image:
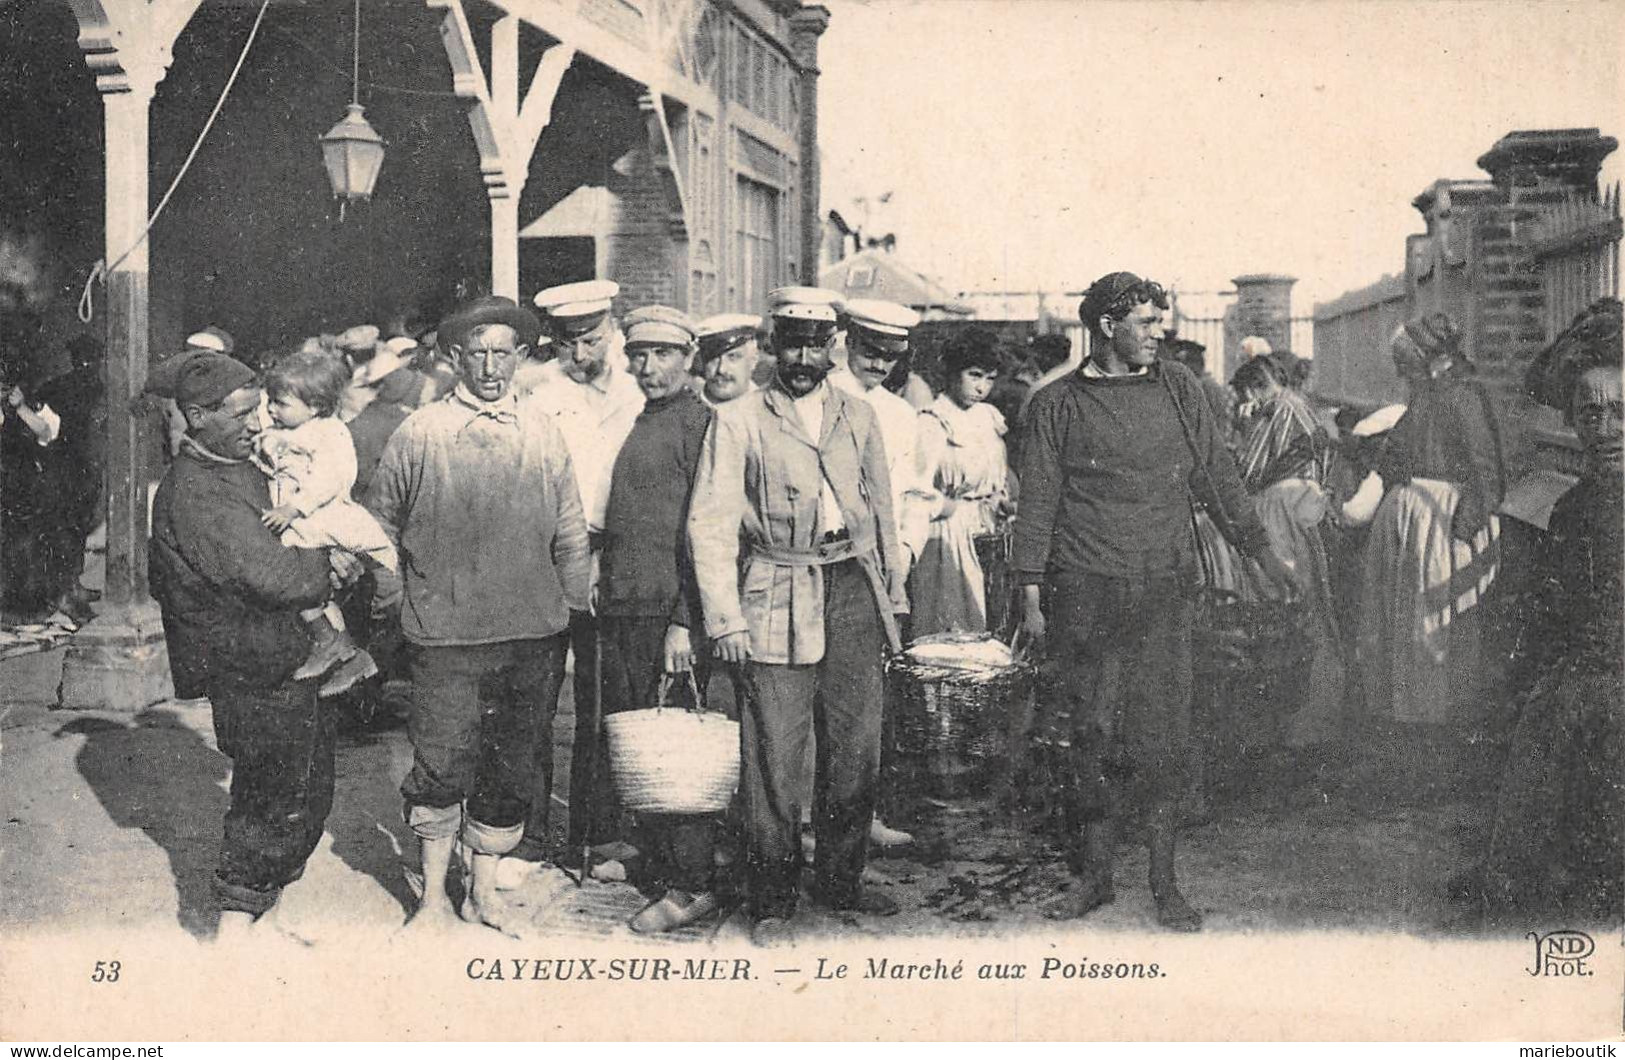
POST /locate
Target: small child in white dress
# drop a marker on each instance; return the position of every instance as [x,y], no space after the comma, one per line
[310,458]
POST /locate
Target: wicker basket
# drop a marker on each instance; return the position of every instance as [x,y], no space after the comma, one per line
[1236,638]
[941,708]
[673,759]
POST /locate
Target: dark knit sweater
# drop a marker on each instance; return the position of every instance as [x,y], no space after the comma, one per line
[229,592]
[1106,477]
[645,569]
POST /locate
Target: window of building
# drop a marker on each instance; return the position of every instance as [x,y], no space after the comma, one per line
[761,78]
[759,267]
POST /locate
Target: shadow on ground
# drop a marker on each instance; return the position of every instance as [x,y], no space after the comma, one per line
[161,777]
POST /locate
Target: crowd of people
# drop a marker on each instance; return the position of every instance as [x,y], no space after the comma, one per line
[51,439]
[755,512]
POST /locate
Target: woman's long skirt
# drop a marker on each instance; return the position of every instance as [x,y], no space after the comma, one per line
[1419,645]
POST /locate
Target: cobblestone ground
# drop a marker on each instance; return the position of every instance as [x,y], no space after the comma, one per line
[114,819]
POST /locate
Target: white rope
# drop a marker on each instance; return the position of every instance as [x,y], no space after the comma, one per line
[100,270]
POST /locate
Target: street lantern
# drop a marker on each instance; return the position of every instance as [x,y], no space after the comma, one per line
[353,153]
[352,150]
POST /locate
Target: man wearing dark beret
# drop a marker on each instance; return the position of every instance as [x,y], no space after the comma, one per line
[230,594]
[482,502]
[1107,560]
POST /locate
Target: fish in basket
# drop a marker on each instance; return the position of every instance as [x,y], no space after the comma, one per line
[954,691]
[673,759]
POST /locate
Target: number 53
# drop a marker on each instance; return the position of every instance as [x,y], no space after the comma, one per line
[106,972]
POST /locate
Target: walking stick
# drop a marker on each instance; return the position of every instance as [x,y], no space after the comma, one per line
[590,781]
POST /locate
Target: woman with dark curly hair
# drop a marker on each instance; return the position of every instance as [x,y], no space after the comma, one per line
[963,460]
[1434,541]
[1555,846]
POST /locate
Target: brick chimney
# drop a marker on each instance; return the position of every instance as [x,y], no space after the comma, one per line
[807,24]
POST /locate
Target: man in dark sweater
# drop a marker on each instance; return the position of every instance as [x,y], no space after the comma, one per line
[230,595]
[1106,555]
[647,598]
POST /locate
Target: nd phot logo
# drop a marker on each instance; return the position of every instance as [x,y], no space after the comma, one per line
[1562,953]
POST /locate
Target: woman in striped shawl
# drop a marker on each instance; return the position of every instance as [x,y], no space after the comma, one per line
[1284,459]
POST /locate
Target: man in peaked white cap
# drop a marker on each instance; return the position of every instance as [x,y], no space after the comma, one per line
[792,480]
[594,402]
[727,356]
[877,337]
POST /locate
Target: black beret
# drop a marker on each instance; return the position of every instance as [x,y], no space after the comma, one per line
[199,377]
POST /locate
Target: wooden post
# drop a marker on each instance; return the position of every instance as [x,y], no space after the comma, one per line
[125,366]
[506,126]
[504,195]
[504,241]
[119,661]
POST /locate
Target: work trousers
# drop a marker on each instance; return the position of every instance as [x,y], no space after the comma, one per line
[280,742]
[841,695]
[476,713]
[680,848]
[1115,698]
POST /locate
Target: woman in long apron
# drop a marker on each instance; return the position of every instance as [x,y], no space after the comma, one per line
[1433,548]
[962,442]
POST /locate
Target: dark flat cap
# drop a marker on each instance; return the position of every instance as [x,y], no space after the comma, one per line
[488,309]
[1106,295]
[199,377]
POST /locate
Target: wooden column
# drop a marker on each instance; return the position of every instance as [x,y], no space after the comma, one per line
[504,194]
[118,661]
[125,367]
[506,125]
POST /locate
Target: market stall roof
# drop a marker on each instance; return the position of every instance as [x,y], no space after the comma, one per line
[876,274]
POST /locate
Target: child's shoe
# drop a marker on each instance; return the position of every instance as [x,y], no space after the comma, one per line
[351,672]
[331,647]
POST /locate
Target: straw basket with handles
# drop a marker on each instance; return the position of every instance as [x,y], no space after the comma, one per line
[678,760]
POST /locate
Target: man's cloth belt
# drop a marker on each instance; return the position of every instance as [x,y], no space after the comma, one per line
[838,548]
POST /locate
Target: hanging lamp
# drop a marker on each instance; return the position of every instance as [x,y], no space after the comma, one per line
[352,150]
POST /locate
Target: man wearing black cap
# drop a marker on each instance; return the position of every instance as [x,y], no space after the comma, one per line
[230,595]
[1106,557]
[794,476]
[482,503]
